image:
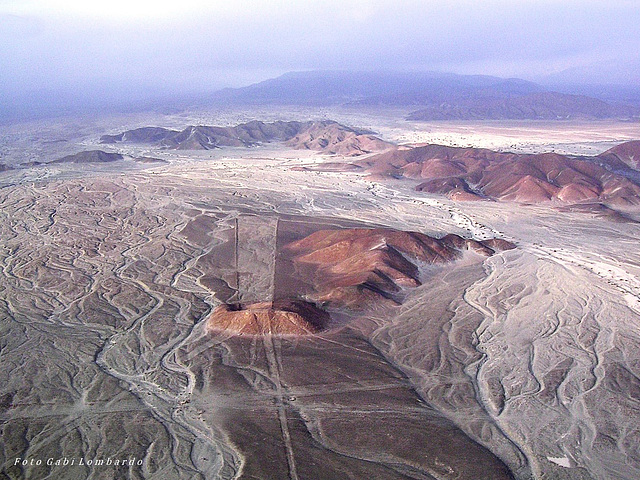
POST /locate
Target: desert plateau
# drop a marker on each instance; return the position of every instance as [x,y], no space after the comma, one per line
[291,309]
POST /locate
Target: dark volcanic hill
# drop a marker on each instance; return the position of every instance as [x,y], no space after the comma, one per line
[433,95]
[325,136]
[90,156]
[360,268]
[477,173]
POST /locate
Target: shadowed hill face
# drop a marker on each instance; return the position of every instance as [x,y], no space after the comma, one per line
[361,268]
[474,173]
[324,136]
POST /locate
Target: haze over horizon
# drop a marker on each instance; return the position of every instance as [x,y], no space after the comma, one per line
[117,52]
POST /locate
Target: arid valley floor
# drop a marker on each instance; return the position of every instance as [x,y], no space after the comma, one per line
[523,363]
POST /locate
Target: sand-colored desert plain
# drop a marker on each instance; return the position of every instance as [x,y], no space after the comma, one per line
[490,364]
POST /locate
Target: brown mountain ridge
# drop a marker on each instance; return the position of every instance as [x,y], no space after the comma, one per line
[476,173]
[361,268]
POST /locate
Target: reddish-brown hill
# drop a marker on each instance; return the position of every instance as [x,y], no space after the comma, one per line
[360,267]
[268,318]
[333,138]
[473,173]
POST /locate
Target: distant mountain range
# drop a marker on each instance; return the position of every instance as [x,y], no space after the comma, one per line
[435,96]
[533,106]
[324,136]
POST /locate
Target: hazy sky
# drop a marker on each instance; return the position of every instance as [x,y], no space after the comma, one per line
[128,46]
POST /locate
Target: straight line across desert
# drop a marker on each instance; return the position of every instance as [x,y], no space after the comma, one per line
[241,242]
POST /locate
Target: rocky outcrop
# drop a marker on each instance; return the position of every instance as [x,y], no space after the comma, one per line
[268,318]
